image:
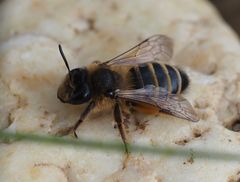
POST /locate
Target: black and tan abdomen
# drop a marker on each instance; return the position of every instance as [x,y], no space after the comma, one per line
[161,75]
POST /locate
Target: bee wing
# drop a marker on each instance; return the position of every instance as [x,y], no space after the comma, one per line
[173,104]
[154,49]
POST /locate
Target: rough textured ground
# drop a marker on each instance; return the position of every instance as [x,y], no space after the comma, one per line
[32,69]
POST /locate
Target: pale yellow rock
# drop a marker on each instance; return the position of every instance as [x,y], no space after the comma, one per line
[32,69]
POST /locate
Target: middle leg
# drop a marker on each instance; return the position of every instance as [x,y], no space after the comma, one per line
[120,124]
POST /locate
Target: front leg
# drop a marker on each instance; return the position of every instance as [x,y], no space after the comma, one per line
[84,114]
[119,121]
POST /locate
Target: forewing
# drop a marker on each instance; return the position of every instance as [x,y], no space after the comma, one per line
[173,104]
[157,48]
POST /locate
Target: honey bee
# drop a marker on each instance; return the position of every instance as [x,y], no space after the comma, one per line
[138,78]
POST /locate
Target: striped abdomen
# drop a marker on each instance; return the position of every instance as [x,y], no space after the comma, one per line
[161,75]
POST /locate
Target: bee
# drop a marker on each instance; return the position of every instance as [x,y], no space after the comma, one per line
[138,78]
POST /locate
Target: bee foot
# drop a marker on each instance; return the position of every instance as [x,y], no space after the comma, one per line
[75,134]
[126,159]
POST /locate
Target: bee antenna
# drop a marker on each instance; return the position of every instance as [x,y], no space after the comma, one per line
[64,59]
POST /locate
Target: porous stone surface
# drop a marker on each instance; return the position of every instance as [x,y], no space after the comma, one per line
[32,69]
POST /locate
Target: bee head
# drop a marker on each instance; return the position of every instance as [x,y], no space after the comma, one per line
[75,88]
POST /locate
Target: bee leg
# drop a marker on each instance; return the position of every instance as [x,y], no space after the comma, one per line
[125,119]
[119,121]
[84,114]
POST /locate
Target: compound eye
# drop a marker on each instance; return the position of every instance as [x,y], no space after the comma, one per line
[81,95]
[78,75]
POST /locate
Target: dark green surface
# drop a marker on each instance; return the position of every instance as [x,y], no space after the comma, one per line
[230,10]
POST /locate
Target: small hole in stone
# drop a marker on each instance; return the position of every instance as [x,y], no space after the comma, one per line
[182,142]
[197,135]
[235,126]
